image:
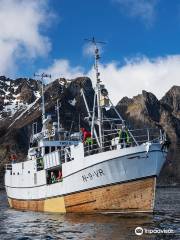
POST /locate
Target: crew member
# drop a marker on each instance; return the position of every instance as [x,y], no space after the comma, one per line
[124,137]
[53,177]
[59,175]
[13,158]
[86,136]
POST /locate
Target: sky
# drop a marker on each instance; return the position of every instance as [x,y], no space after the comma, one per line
[142,50]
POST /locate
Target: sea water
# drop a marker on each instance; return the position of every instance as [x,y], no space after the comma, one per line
[163,224]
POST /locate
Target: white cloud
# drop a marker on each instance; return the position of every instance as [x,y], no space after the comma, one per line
[156,76]
[20,33]
[62,68]
[137,74]
[143,9]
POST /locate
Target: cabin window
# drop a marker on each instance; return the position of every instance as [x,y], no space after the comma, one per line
[9,167]
[46,150]
[28,171]
[13,173]
[54,175]
[18,173]
[52,149]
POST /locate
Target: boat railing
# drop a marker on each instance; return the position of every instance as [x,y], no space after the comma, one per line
[111,140]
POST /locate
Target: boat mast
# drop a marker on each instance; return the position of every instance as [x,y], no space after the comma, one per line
[97,91]
[58,115]
[99,119]
[43,75]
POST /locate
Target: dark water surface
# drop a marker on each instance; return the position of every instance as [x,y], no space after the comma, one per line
[29,225]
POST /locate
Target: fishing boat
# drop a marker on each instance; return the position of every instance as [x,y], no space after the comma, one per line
[106,168]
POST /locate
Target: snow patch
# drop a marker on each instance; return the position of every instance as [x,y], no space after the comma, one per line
[27,109]
[72,102]
[37,94]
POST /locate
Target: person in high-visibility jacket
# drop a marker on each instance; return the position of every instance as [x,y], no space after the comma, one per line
[53,177]
[86,136]
[124,137]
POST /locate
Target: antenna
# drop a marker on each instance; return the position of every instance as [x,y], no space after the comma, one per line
[96,55]
[42,76]
[93,40]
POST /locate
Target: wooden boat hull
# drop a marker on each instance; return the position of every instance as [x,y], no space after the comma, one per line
[133,196]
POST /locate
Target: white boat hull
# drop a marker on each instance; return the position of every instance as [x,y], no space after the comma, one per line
[127,175]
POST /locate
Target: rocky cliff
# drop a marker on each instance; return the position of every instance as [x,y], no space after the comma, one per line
[146,110]
[20,106]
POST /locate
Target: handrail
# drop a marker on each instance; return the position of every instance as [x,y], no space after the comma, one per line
[116,133]
[148,136]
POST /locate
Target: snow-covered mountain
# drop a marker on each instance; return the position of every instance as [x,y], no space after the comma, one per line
[20,106]
[16,96]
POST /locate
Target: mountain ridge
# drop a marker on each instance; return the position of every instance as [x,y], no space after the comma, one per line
[20,106]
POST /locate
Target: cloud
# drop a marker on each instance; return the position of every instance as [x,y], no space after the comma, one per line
[20,32]
[154,75]
[143,9]
[62,68]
